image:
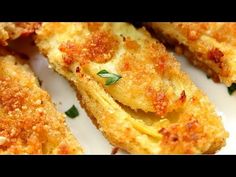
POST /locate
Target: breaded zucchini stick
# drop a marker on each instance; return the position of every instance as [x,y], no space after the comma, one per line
[132,88]
[210,46]
[13,30]
[29,122]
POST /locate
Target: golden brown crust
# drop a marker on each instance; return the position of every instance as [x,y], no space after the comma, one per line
[29,122]
[100,47]
[180,49]
[153,109]
[212,44]
[11,31]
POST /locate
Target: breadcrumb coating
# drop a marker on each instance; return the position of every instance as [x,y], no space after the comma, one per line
[153,109]
[210,46]
[13,30]
[29,121]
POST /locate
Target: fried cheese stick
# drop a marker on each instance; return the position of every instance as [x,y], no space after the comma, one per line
[132,88]
[210,46]
[29,121]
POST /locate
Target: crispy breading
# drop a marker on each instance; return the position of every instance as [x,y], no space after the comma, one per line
[13,30]
[210,46]
[153,109]
[29,121]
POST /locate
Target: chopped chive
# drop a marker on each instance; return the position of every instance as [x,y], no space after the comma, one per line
[72,112]
[111,77]
[232,88]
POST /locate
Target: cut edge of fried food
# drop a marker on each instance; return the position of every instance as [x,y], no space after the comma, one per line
[124,127]
[29,121]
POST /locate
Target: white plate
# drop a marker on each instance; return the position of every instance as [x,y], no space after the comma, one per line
[89,137]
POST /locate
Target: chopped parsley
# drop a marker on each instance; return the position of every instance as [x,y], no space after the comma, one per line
[111,77]
[72,112]
[232,88]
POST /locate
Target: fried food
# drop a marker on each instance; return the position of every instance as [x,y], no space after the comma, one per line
[29,121]
[13,30]
[209,46]
[132,88]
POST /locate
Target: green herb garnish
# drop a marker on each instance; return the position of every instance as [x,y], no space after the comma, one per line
[72,112]
[232,88]
[111,78]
